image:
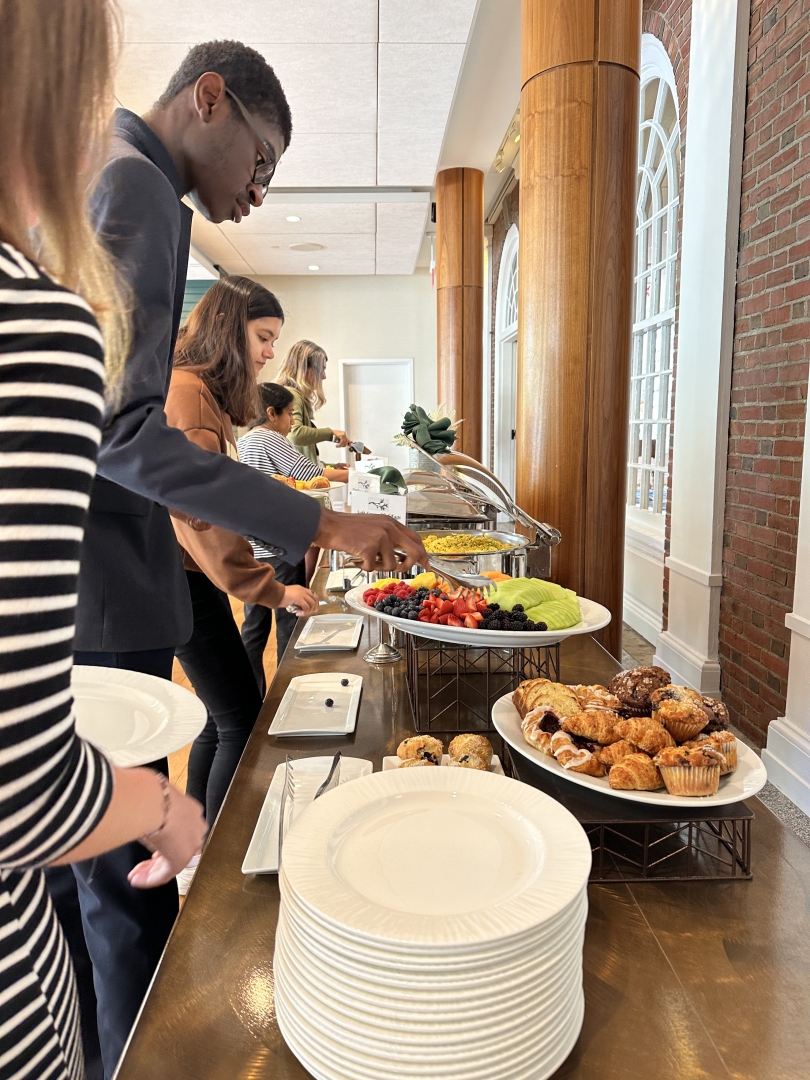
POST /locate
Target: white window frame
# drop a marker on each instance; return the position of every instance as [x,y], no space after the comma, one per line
[506,332]
[654,328]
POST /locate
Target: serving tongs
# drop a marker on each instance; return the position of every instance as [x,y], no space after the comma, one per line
[467,582]
[287,803]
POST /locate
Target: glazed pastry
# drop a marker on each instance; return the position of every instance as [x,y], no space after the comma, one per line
[536,692]
[411,763]
[693,771]
[469,761]
[470,744]
[573,757]
[536,728]
[546,717]
[596,697]
[635,772]
[610,755]
[633,687]
[718,718]
[645,733]
[421,746]
[594,724]
[680,710]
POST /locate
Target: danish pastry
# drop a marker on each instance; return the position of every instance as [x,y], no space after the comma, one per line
[573,757]
[535,729]
[645,733]
[635,772]
[596,697]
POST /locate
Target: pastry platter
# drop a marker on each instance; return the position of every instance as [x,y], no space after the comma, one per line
[594,617]
[747,779]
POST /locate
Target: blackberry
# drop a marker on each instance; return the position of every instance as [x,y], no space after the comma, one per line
[494,607]
[519,616]
[518,607]
[541,626]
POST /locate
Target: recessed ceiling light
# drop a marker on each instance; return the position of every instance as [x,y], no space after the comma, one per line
[293,217]
[313,267]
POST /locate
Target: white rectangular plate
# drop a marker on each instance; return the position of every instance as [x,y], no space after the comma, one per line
[494,766]
[330,633]
[303,709]
[261,856]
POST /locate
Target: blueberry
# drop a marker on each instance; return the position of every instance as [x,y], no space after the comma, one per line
[344,682]
[413,615]
[380,606]
[329,703]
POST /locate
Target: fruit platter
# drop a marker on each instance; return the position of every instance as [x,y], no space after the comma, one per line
[516,613]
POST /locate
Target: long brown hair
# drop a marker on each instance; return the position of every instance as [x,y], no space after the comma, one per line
[56,61]
[213,342]
[304,370]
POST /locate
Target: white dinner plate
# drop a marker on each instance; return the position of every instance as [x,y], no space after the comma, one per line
[393,762]
[261,856]
[133,718]
[747,779]
[436,857]
[594,617]
[303,709]
[330,633]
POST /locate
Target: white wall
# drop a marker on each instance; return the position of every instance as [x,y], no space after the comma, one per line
[360,318]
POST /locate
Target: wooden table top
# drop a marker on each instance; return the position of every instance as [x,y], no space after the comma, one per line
[682,981]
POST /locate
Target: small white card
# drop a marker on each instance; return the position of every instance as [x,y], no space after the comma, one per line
[361,481]
[395,506]
[365,464]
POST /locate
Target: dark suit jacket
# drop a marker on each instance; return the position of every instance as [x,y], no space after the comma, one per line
[133,593]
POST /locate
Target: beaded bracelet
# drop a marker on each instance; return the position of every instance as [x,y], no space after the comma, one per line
[167,802]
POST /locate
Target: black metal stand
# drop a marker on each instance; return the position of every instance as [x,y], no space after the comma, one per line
[640,842]
[453,687]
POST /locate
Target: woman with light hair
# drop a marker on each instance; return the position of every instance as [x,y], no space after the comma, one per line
[62,330]
[303,373]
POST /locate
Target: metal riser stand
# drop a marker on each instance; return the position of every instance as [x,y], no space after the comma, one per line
[453,687]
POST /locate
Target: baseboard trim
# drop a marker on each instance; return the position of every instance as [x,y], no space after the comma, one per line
[643,619]
[787,759]
[687,667]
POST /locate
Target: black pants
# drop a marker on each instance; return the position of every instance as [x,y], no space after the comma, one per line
[219,670]
[123,930]
[259,620]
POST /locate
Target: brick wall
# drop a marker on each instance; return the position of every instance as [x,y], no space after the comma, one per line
[769,380]
[671,22]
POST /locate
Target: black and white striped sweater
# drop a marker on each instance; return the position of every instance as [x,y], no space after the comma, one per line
[54,787]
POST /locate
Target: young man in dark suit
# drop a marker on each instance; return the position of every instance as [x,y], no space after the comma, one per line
[216,135]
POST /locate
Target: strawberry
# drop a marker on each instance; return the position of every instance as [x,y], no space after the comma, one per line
[470,622]
[444,619]
[453,620]
[445,607]
[460,608]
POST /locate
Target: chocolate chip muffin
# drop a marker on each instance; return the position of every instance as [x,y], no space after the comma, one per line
[719,720]
[634,687]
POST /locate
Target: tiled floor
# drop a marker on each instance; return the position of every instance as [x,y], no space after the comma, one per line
[636,650]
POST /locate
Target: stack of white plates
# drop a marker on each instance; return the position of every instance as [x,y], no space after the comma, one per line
[431,925]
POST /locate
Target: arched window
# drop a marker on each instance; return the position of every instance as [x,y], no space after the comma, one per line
[654,298]
[505,397]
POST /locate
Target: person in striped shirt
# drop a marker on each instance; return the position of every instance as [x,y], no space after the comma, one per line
[60,799]
[266,448]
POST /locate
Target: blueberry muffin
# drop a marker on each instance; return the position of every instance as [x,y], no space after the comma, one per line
[421,746]
[680,710]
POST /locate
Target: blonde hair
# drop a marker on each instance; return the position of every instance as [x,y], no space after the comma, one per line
[57,98]
[303,370]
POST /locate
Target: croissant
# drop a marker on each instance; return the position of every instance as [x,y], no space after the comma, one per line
[610,755]
[645,733]
[536,692]
[594,724]
[572,757]
[635,772]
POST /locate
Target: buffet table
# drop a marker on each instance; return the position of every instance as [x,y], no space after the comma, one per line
[682,980]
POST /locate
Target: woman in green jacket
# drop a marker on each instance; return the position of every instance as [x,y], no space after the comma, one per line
[303,373]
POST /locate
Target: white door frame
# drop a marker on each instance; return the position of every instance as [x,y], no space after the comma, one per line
[343,364]
[504,335]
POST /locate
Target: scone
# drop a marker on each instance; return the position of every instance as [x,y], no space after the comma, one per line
[634,687]
[469,761]
[411,763]
[470,744]
[421,746]
[694,771]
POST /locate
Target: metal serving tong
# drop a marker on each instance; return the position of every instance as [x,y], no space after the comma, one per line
[285,809]
[468,582]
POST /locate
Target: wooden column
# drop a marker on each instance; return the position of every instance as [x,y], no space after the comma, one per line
[579,130]
[460,299]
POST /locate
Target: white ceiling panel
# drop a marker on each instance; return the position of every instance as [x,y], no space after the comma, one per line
[426,20]
[329,161]
[216,247]
[416,86]
[330,88]
[405,158]
[144,72]
[321,218]
[346,254]
[250,20]
[400,229]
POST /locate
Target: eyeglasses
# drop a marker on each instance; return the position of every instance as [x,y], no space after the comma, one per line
[263,172]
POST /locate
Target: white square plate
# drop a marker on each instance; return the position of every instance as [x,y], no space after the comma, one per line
[330,633]
[494,766]
[303,709]
[261,856]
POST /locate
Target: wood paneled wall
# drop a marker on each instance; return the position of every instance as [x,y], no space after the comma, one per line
[579,123]
[460,299]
